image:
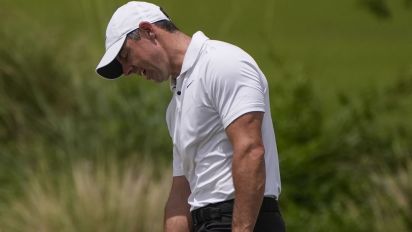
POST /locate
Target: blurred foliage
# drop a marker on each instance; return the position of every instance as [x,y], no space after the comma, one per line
[327,162]
[343,170]
[51,113]
[381,8]
[378,7]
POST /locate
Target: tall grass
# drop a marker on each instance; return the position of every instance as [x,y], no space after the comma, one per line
[91,197]
[392,202]
[55,110]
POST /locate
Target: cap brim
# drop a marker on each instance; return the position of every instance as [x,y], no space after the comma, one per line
[109,67]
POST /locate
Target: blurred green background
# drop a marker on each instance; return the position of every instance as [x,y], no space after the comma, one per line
[79,153]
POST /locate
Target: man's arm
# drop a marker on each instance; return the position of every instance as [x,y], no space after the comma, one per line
[248,169]
[177,211]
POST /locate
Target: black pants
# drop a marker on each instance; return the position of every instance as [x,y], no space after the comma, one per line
[218,217]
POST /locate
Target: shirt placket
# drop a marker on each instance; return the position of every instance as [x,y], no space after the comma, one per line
[178,112]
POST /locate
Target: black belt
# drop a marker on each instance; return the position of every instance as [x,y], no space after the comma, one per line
[217,210]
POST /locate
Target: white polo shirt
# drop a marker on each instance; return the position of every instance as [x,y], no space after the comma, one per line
[218,83]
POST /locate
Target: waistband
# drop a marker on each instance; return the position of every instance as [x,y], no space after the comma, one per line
[216,210]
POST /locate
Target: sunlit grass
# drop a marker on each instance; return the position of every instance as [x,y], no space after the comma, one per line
[91,197]
[392,201]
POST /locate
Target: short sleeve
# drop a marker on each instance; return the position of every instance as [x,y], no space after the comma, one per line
[237,88]
[177,164]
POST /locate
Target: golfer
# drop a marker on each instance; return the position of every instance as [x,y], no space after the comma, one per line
[225,162]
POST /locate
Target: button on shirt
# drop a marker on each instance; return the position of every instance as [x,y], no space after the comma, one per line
[218,83]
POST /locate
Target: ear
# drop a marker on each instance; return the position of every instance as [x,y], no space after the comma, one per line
[147,28]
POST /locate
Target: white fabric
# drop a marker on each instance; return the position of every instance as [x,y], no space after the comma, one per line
[124,20]
[218,83]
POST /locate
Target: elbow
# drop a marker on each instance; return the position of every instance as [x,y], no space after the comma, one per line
[256,152]
[250,153]
[259,152]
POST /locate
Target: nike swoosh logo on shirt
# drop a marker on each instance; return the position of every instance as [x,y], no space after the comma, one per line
[187,86]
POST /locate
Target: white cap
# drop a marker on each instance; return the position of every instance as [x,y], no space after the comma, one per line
[126,19]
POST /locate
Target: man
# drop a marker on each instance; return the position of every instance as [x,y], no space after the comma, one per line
[225,163]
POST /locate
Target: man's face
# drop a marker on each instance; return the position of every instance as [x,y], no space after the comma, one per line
[145,57]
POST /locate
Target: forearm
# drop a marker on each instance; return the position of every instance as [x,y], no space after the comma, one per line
[177,210]
[249,181]
[177,218]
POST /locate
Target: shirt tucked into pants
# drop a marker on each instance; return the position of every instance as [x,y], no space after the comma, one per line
[218,217]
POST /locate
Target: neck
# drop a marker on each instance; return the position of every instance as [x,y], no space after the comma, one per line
[175,45]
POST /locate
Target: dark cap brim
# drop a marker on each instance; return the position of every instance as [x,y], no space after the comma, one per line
[111,71]
[109,67]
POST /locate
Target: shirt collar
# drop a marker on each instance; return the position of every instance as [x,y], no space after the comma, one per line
[191,55]
[193,51]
